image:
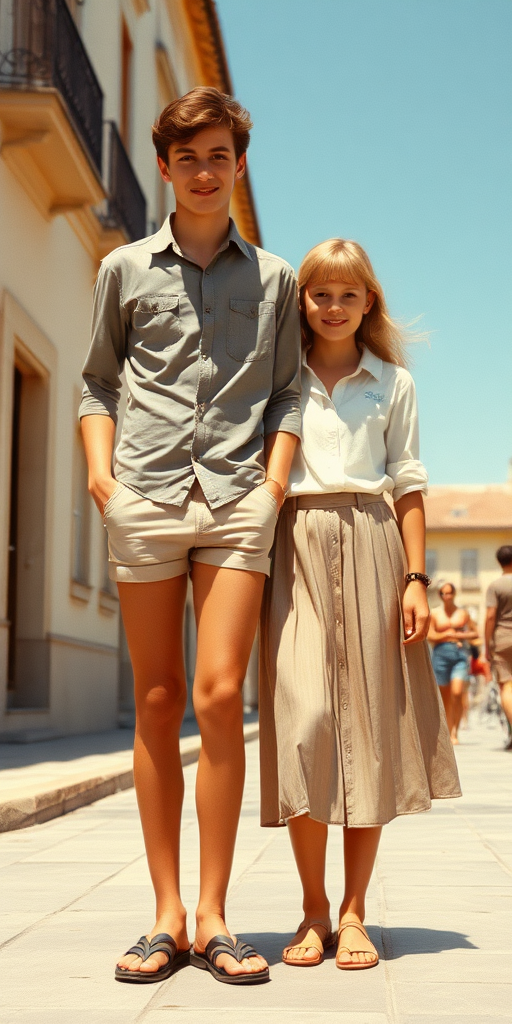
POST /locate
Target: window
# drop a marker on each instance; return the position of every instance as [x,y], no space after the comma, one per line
[81,516]
[469,568]
[431,562]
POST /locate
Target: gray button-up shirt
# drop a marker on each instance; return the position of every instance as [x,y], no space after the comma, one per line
[212,363]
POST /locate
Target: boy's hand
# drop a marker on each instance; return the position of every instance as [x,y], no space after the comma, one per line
[276,491]
[416,612]
[101,491]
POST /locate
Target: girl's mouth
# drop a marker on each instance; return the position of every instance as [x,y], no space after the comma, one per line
[334,323]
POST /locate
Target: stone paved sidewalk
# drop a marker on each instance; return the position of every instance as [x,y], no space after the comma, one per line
[76,892]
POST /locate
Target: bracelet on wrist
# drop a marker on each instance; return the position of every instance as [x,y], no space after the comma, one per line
[279,484]
[421,576]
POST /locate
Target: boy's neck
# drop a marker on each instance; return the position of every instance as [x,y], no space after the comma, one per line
[507,570]
[199,238]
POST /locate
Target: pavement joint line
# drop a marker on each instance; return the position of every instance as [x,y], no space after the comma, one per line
[503,864]
[387,945]
[59,910]
[237,881]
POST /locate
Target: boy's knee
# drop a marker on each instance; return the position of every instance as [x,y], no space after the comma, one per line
[218,699]
[163,702]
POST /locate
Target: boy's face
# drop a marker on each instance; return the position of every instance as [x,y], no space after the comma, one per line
[203,171]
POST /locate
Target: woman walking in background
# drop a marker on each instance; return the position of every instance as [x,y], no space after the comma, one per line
[352,727]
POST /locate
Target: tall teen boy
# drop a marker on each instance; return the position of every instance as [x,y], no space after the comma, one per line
[206,328]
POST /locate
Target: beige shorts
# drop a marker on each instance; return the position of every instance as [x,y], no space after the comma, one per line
[149,541]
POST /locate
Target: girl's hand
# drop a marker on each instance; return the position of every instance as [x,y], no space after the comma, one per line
[416,612]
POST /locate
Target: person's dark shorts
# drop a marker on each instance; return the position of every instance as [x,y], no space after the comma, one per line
[449,662]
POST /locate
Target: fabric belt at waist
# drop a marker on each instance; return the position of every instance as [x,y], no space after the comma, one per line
[334,500]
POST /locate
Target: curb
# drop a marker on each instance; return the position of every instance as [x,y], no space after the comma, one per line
[29,806]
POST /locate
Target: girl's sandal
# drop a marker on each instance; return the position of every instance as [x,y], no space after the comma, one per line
[354,966]
[309,940]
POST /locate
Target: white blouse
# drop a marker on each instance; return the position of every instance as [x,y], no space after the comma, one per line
[364,438]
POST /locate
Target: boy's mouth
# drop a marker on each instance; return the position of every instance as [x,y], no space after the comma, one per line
[204,191]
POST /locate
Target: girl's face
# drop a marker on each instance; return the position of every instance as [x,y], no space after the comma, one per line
[334,309]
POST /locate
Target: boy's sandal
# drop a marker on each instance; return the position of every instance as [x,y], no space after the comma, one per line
[354,965]
[310,940]
[161,943]
[207,961]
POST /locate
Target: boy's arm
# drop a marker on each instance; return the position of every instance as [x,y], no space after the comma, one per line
[279,449]
[104,363]
[282,412]
[98,433]
[102,384]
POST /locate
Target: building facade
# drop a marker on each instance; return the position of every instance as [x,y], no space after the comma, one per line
[81,82]
[465,528]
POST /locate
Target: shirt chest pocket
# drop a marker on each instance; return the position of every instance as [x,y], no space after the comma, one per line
[156,319]
[251,329]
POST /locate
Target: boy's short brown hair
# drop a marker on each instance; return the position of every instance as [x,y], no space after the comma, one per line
[203,107]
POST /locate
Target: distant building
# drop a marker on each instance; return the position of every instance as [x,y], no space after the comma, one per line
[81,82]
[465,527]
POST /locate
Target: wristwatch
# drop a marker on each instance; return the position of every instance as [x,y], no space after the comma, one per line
[421,576]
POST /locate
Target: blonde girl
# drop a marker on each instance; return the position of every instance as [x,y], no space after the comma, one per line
[352,727]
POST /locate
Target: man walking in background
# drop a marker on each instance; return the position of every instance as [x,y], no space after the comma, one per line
[498,631]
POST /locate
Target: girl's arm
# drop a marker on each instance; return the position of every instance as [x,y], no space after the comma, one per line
[98,434]
[410,514]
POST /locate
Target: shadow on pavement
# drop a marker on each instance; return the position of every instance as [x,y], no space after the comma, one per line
[391,943]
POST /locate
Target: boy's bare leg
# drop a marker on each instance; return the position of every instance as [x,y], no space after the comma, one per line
[227,604]
[153,620]
[360,851]
[309,842]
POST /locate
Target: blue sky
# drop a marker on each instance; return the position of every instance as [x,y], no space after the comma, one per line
[389,121]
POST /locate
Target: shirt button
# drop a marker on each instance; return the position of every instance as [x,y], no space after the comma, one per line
[207,309]
[205,355]
[344,706]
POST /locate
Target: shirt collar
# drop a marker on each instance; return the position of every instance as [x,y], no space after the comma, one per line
[369,362]
[165,238]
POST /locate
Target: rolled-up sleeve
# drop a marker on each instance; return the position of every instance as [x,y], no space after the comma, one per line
[402,442]
[283,408]
[104,364]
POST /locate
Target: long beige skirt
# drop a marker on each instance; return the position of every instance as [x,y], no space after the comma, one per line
[352,727]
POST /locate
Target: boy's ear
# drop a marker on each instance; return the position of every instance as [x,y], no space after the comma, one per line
[163,168]
[241,166]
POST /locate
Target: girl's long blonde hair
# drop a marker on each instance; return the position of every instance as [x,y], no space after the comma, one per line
[339,259]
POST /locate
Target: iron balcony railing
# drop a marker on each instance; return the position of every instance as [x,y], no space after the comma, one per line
[126,204]
[40,47]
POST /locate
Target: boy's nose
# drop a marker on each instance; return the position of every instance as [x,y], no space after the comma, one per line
[204,175]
